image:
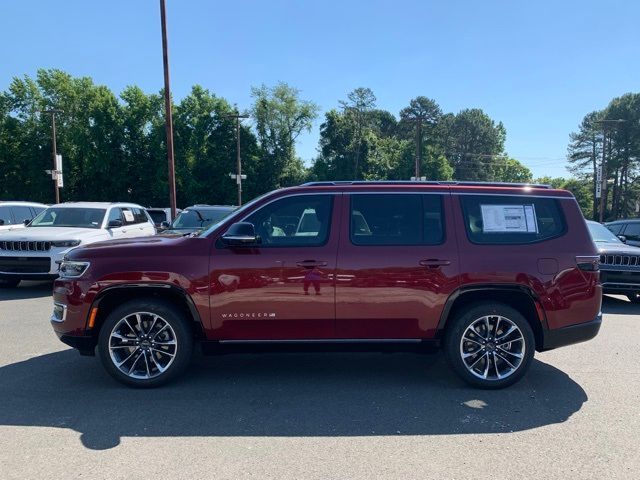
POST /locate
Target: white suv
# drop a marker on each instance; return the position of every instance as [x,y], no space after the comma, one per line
[35,251]
[16,214]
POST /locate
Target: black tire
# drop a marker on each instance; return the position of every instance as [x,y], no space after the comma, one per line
[178,330]
[501,359]
[9,282]
[634,297]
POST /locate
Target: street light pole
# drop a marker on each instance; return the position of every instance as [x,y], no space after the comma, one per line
[54,150]
[168,115]
[238,175]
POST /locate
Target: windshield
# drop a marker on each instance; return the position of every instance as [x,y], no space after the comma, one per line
[70,217]
[600,233]
[200,218]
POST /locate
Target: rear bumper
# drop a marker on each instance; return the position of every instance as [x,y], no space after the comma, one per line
[580,332]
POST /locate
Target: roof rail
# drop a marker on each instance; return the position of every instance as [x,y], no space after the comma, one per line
[426,182]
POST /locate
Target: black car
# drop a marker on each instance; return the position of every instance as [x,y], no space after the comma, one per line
[196,218]
[619,263]
[628,230]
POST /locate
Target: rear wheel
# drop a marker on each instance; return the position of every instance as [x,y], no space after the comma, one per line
[145,343]
[490,345]
[9,282]
[634,297]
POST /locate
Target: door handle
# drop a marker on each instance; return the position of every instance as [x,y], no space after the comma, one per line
[434,263]
[311,263]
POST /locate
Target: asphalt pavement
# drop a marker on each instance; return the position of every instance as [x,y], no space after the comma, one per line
[316,415]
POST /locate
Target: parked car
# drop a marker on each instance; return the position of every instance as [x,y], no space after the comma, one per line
[197,218]
[34,252]
[619,263]
[627,230]
[17,214]
[161,217]
[489,272]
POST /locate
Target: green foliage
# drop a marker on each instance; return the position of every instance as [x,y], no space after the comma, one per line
[511,170]
[614,132]
[580,188]
[280,116]
[114,147]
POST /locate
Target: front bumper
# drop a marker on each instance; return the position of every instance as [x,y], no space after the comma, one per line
[581,332]
[620,280]
[71,301]
[85,345]
[32,265]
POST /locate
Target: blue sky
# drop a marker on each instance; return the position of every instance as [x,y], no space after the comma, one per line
[539,67]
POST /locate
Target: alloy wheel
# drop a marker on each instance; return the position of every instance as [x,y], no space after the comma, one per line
[142,345]
[492,347]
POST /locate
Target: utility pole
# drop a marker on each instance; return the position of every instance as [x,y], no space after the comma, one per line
[167,108]
[238,175]
[54,150]
[603,189]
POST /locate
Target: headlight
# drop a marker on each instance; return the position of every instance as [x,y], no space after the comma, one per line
[66,243]
[69,269]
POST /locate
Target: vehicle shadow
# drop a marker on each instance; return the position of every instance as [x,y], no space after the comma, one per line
[619,306]
[27,290]
[313,394]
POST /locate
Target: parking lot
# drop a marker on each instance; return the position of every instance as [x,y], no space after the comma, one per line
[576,414]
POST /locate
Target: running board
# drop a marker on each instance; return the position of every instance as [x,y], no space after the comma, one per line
[329,345]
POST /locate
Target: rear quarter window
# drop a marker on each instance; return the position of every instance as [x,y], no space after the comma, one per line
[495,219]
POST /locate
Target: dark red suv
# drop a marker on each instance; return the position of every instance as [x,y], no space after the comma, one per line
[490,272]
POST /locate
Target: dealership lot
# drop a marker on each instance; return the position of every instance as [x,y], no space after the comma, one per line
[332,415]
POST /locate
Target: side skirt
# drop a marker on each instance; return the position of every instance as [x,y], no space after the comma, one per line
[222,347]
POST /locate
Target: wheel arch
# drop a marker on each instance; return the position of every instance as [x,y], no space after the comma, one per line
[116,295]
[519,297]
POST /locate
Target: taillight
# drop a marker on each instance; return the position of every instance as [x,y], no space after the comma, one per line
[588,263]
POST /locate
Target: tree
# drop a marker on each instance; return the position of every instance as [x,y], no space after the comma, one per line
[280,116]
[357,108]
[584,151]
[473,143]
[421,117]
[623,150]
[511,170]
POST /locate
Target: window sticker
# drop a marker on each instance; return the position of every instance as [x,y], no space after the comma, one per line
[509,219]
[128,216]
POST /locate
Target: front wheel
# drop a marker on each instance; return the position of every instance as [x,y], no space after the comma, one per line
[145,343]
[490,345]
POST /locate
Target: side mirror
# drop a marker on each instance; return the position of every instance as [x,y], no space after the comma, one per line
[622,238]
[114,224]
[241,234]
[164,225]
[27,221]
[1,222]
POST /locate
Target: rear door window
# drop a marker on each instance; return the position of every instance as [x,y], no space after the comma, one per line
[139,216]
[494,219]
[396,219]
[129,216]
